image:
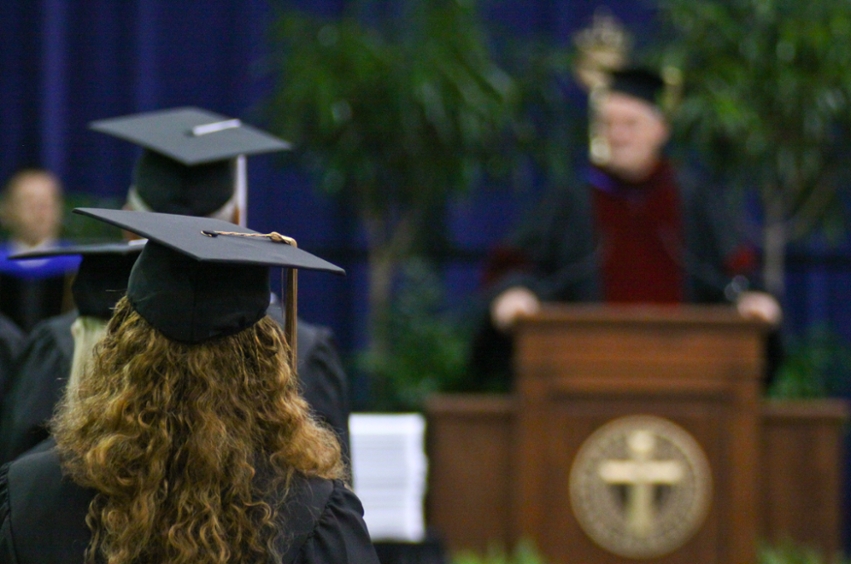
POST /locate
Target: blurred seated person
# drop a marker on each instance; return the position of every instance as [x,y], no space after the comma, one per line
[637,230]
[31,211]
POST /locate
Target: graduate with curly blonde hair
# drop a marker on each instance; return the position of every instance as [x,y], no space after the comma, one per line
[184,438]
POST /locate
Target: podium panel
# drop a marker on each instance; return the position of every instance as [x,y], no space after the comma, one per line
[597,454]
[665,400]
[471,447]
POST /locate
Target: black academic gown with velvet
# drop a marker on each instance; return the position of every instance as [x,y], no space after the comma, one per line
[558,256]
[42,518]
[45,363]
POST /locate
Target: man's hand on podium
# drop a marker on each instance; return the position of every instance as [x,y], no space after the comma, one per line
[512,304]
[517,302]
[761,306]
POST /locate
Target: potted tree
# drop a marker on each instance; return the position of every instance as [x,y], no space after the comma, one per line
[769,94]
[394,113]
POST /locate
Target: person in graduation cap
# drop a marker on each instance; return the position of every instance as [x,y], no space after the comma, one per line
[186,439]
[58,343]
[193,163]
[638,230]
[30,291]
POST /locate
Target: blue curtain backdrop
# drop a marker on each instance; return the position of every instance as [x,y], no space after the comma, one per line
[65,63]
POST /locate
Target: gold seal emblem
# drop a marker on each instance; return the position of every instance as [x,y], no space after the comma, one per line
[640,486]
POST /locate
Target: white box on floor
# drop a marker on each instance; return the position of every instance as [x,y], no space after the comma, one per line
[389,473]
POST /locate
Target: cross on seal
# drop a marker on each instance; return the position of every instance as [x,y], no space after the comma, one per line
[641,474]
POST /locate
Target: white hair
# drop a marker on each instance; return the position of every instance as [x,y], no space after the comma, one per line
[87,332]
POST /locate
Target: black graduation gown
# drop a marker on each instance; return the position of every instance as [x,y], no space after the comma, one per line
[41,372]
[42,518]
[11,344]
[45,364]
[321,376]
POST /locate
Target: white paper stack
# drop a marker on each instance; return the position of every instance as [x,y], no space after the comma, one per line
[389,472]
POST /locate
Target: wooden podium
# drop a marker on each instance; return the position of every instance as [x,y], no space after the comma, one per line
[509,467]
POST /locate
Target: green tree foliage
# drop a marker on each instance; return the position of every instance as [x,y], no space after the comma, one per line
[395,114]
[428,349]
[524,553]
[817,364]
[398,117]
[791,553]
[769,93]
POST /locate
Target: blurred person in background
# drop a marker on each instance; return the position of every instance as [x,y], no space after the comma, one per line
[31,212]
[637,230]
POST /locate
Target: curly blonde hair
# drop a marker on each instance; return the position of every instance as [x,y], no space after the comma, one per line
[172,437]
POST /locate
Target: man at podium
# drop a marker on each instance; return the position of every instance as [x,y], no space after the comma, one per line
[637,230]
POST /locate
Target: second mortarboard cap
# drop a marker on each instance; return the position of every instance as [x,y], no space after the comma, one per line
[101,279]
[640,83]
[200,278]
[186,165]
[191,136]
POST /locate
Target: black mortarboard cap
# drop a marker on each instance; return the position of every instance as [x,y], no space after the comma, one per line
[639,83]
[102,276]
[191,136]
[200,278]
[186,165]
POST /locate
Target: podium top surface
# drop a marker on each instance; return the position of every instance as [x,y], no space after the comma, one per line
[675,314]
